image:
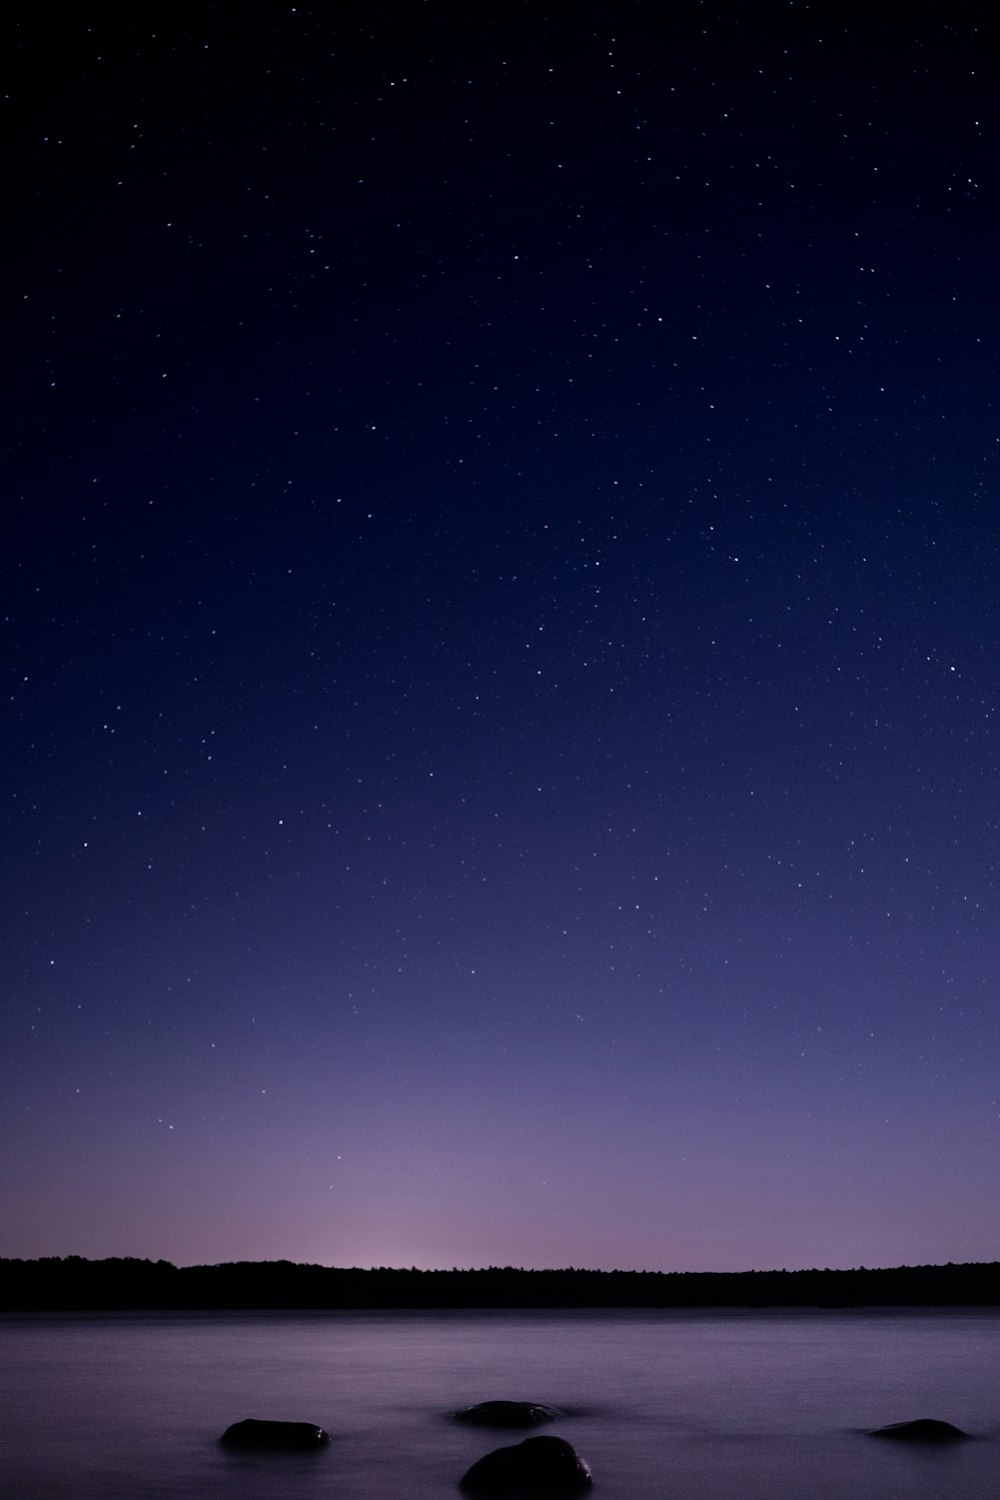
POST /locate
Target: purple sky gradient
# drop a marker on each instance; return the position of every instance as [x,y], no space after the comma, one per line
[501,622]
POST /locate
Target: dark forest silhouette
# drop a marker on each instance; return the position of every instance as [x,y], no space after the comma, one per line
[74,1284]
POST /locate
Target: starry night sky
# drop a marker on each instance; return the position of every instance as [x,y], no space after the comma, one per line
[501,613]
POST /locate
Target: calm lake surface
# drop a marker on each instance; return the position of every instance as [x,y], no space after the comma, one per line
[679,1405]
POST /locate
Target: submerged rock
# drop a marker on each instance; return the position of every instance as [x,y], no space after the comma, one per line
[281,1437]
[923,1430]
[543,1466]
[508,1414]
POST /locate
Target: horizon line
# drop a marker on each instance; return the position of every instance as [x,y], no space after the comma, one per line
[517,1270]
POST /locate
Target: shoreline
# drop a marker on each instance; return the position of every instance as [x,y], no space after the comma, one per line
[130,1285]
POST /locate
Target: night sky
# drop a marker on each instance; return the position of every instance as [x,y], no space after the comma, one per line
[501,601]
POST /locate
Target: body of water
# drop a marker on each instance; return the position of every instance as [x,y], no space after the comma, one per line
[680,1405]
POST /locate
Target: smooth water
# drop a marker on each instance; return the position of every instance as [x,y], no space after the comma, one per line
[678,1405]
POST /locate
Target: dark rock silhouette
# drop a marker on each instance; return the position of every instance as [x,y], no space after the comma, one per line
[277,1437]
[542,1466]
[923,1430]
[508,1414]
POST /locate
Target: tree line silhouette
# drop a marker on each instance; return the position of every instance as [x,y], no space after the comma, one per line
[72,1283]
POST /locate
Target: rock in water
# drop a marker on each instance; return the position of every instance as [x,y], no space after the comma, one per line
[508,1414]
[542,1466]
[278,1437]
[923,1430]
